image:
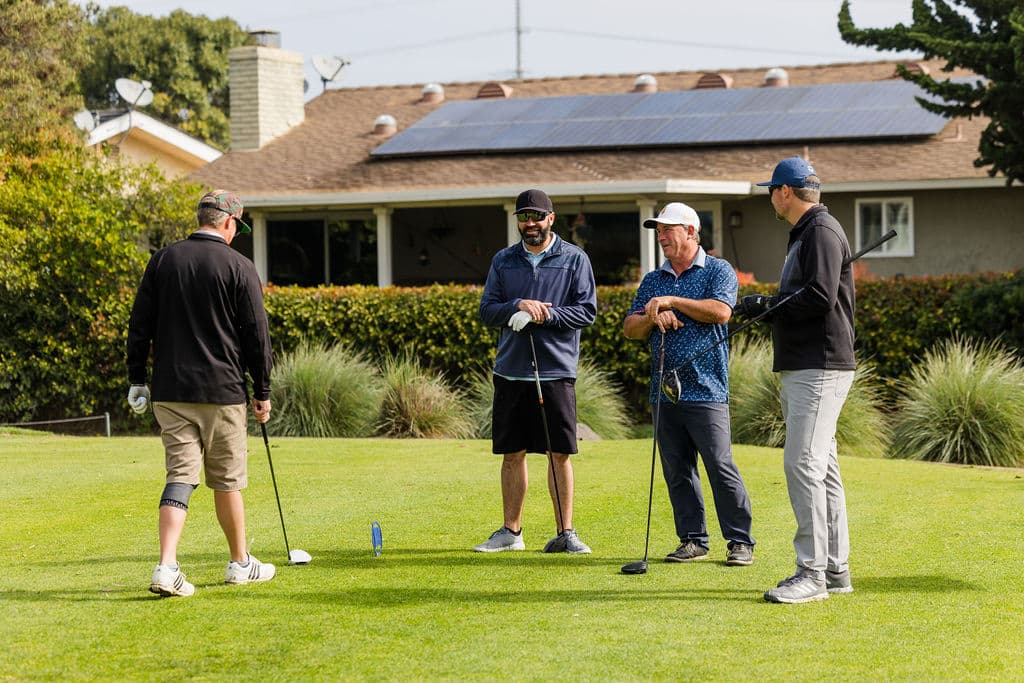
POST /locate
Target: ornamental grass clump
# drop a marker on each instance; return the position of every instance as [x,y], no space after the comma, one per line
[419,404]
[325,391]
[963,403]
[756,407]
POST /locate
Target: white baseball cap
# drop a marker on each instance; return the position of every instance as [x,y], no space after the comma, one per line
[675,213]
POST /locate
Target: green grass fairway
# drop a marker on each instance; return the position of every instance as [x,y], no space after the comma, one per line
[936,567]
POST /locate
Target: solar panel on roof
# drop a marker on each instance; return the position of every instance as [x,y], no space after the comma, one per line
[842,111]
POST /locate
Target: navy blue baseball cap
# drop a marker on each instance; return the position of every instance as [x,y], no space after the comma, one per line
[792,171]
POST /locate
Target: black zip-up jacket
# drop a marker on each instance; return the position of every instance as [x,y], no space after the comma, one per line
[815,329]
[200,306]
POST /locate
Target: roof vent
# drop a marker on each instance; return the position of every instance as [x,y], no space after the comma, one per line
[493,89]
[912,67]
[432,92]
[713,80]
[645,83]
[776,77]
[264,38]
[385,125]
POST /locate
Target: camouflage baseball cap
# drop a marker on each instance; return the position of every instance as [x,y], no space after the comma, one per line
[228,202]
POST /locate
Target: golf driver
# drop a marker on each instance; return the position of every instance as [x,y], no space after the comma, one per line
[294,556]
[547,434]
[672,386]
[641,566]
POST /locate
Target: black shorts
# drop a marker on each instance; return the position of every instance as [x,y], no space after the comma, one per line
[516,424]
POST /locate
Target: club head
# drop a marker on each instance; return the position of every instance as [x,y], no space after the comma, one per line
[299,557]
[671,386]
[639,567]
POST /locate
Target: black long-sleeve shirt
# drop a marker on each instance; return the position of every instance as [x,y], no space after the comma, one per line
[814,330]
[200,307]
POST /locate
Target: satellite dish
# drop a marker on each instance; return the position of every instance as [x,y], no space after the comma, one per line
[85,120]
[135,93]
[329,68]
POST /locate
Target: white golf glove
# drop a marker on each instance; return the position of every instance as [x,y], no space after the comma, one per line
[519,320]
[138,398]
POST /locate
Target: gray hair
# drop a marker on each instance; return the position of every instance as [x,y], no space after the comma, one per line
[207,216]
[809,194]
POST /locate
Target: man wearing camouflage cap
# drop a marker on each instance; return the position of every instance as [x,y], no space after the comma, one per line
[199,308]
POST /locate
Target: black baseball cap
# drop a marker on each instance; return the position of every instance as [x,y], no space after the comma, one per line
[534,200]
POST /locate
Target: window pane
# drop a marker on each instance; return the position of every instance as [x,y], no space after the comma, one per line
[353,249]
[870,223]
[295,252]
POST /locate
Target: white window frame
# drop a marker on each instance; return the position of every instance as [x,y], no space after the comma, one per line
[890,249]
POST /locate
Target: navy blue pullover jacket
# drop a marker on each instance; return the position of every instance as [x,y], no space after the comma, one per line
[566,279]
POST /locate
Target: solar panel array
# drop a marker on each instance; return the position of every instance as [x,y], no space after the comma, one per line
[841,111]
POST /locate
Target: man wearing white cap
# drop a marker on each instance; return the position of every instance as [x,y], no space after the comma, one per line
[688,301]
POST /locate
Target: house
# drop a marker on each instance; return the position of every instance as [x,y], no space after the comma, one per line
[409,185]
[142,139]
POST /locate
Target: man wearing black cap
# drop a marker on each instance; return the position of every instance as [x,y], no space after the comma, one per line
[813,343]
[539,294]
[199,308]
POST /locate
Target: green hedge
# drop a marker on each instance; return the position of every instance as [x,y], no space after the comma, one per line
[897,320]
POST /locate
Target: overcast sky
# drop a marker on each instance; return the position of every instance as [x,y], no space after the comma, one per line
[420,41]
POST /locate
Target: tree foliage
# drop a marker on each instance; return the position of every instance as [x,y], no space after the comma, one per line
[984,36]
[41,50]
[74,227]
[184,56]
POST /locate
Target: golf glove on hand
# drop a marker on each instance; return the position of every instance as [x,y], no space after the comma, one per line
[138,398]
[519,320]
[754,305]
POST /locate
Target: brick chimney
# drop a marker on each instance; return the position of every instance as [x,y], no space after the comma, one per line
[266,90]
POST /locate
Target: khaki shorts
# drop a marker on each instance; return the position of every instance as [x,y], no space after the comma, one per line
[204,435]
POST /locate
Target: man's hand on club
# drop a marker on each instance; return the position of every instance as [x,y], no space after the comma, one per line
[138,398]
[754,305]
[519,320]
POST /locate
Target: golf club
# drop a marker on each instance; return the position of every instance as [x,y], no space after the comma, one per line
[641,566]
[672,386]
[547,434]
[294,556]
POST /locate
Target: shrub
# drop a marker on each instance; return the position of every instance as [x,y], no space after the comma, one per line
[599,402]
[992,310]
[964,403]
[325,391]
[418,404]
[756,408]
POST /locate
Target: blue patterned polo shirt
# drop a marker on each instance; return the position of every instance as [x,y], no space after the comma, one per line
[707,381]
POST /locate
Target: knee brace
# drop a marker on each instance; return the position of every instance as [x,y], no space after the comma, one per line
[176,495]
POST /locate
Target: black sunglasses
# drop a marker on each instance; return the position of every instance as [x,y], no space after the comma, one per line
[772,188]
[535,216]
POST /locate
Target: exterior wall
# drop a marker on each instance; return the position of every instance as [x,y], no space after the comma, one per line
[266,89]
[140,152]
[955,231]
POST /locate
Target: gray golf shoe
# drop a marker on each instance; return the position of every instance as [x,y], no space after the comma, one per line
[688,551]
[567,542]
[838,582]
[501,540]
[806,585]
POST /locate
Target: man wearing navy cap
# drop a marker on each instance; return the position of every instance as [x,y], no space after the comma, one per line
[812,337]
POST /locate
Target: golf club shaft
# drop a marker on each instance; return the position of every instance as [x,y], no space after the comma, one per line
[654,446]
[547,434]
[784,300]
[266,442]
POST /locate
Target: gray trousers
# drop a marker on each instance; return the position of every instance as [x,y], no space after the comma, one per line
[811,402]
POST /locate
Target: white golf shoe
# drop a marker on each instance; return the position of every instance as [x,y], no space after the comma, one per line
[169,581]
[252,571]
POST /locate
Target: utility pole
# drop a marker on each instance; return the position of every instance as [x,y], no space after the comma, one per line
[519,42]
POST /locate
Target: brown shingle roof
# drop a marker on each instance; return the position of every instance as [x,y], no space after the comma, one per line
[329,151]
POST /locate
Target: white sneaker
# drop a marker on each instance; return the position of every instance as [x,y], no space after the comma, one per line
[502,539]
[168,581]
[252,571]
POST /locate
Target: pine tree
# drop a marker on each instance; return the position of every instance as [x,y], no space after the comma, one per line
[984,36]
